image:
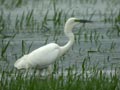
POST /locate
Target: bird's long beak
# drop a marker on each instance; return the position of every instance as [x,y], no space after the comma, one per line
[83,21]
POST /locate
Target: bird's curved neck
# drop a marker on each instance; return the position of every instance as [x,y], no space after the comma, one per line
[70,35]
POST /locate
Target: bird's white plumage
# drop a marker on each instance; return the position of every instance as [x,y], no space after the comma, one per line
[22,62]
[46,55]
[40,57]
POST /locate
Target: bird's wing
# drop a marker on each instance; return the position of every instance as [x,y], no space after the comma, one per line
[44,55]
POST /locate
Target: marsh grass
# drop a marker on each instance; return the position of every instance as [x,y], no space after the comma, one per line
[112,46]
[2,21]
[3,48]
[97,80]
[117,27]
[10,4]
[25,49]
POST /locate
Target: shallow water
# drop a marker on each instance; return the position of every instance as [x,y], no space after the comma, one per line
[102,49]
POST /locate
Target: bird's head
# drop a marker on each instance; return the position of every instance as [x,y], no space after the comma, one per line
[71,22]
[75,21]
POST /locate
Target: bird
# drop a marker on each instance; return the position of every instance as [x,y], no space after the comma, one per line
[45,56]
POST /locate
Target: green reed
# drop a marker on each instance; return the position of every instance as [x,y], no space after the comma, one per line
[97,80]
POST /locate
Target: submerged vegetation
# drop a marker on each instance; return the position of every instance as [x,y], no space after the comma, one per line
[91,64]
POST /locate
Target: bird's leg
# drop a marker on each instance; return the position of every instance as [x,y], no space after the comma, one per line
[26,72]
[28,69]
[36,72]
[50,69]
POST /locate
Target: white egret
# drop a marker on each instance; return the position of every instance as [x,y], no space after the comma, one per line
[45,56]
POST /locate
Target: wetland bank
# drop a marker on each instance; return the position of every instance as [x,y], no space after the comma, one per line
[92,63]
